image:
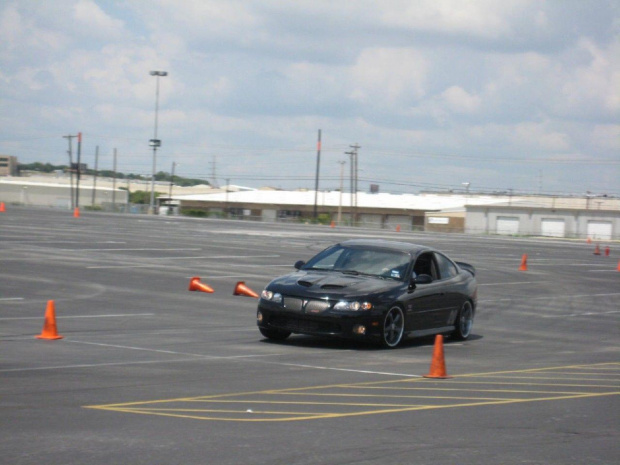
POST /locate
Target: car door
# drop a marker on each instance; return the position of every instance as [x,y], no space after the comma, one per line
[423,302]
[448,281]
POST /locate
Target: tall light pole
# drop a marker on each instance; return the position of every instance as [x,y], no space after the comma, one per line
[342,162]
[155,142]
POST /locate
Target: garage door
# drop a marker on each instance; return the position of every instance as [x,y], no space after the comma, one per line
[398,221]
[552,227]
[599,230]
[370,221]
[507,225]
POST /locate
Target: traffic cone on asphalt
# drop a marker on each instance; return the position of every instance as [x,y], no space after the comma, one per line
[523,266]
[242,289]
[76,212]
[49,327]
[607,250]
[196,285]
[2,207]
[438,364]
[618,265]
[597,250]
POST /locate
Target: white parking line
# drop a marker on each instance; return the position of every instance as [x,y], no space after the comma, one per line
[129,250]
[79,316]
[551,297]
[207,257]
[586,314]
[510,284]
[366,372]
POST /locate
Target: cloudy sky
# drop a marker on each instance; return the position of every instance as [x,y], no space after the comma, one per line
[510,94]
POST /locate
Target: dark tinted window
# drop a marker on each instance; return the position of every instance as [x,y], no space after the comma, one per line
[447,269]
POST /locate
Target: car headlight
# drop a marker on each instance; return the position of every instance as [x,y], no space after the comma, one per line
[354,306]
[271,296]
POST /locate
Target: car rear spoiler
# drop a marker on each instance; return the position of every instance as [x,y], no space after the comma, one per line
[467,267]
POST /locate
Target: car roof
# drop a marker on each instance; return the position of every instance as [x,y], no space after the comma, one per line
[397,246]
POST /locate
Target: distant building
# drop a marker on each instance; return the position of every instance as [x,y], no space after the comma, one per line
[597,218]
[8,165]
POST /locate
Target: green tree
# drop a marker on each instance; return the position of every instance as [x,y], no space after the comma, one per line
[142,197]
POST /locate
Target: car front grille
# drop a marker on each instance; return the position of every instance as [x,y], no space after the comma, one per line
[292,303]
[297,325]
[311,306]
[317,306]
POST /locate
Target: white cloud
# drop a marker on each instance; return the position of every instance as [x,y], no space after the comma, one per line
[21,36]
[459,100]
[384,75]
[496,79]
[94,21]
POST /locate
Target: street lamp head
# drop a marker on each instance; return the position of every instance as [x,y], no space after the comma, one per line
[159,73]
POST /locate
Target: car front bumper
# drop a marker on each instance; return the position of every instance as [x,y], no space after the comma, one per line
[350,325]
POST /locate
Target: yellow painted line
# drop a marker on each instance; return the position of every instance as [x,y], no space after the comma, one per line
[533,370]
[310,416]
[383,396]
[165,407]
[508,391]
[560,378]
[504,383]
[235,412]
[284,402]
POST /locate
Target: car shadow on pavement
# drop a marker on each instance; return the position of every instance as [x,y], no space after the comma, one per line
[330,343]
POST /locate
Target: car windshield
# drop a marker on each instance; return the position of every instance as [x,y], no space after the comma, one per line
[361,260]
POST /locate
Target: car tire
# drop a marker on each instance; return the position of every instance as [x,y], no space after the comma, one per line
[464,322]
[393,327]
[274,334]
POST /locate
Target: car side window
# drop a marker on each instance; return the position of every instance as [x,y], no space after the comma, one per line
[447,269]
[425,264]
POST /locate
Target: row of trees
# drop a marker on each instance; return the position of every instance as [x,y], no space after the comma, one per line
[160,176]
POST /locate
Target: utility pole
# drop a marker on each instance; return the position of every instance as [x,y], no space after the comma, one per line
[70,153]
[214,172]
[351,164]
[226,202]
[79,161]
[342,163]
[114,183]
[316,182]
[353,154]
[171,181]
[128,206]
[95,177]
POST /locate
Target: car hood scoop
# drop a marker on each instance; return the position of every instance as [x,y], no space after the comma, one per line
[326,282]
[331,284]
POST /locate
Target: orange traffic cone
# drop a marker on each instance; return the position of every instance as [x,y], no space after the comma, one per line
[438,364]
[196,285]
[49,327]
[398,228]
[597,250]
[242,289]
[2,207]
[607,251]
[333,224]
[523,266]
[76,212]
[588,241]
[618,265]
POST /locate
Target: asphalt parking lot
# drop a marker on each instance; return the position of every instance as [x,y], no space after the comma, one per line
[150,373]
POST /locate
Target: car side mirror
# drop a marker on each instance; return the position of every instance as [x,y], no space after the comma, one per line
[419,279]
[299,264]
[423,279]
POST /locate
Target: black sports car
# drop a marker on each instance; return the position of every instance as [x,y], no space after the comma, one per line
[371,289]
